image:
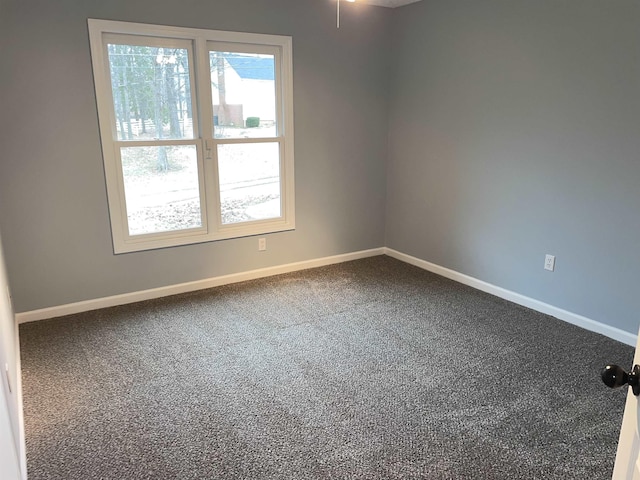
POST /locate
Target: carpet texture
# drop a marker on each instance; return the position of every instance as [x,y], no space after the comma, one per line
[371,369]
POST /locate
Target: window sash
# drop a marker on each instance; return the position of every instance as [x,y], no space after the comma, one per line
[264,50]
[148,41]
[168,234]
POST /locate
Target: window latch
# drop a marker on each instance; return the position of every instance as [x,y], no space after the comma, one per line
[208,146]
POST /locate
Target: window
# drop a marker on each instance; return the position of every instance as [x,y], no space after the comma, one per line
[197,133]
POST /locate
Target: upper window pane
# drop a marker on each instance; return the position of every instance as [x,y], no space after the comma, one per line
[243,90]
[151,92]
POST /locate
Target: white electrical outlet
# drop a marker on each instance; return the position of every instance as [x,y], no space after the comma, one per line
[549,262]
[262,244]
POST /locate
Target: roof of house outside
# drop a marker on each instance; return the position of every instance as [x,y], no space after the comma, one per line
[251,67]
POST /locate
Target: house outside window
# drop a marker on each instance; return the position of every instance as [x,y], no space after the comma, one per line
[197,133]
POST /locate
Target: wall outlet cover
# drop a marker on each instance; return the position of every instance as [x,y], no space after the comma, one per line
[549,262]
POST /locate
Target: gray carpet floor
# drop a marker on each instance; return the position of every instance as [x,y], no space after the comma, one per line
[371,369]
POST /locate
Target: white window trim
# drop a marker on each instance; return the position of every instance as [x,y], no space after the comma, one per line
[212,228]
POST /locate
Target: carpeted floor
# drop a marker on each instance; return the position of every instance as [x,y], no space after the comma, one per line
[371,369]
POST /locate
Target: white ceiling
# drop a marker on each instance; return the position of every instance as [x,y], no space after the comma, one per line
[388,3]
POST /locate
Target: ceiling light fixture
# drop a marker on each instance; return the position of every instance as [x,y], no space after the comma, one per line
[338,12]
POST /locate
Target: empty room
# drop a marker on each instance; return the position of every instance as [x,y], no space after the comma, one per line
[309,239]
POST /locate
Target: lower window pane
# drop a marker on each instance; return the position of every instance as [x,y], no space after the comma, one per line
[249,181]
[161,188]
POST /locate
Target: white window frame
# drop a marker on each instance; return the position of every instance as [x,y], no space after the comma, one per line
[200,42]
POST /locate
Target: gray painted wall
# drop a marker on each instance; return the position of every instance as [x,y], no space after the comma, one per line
[514,132]
[53,210]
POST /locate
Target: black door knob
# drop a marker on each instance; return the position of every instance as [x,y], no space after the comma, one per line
[614,376]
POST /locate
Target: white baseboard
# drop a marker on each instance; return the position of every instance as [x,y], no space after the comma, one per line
[95,304]
[573,318]
[570,317]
